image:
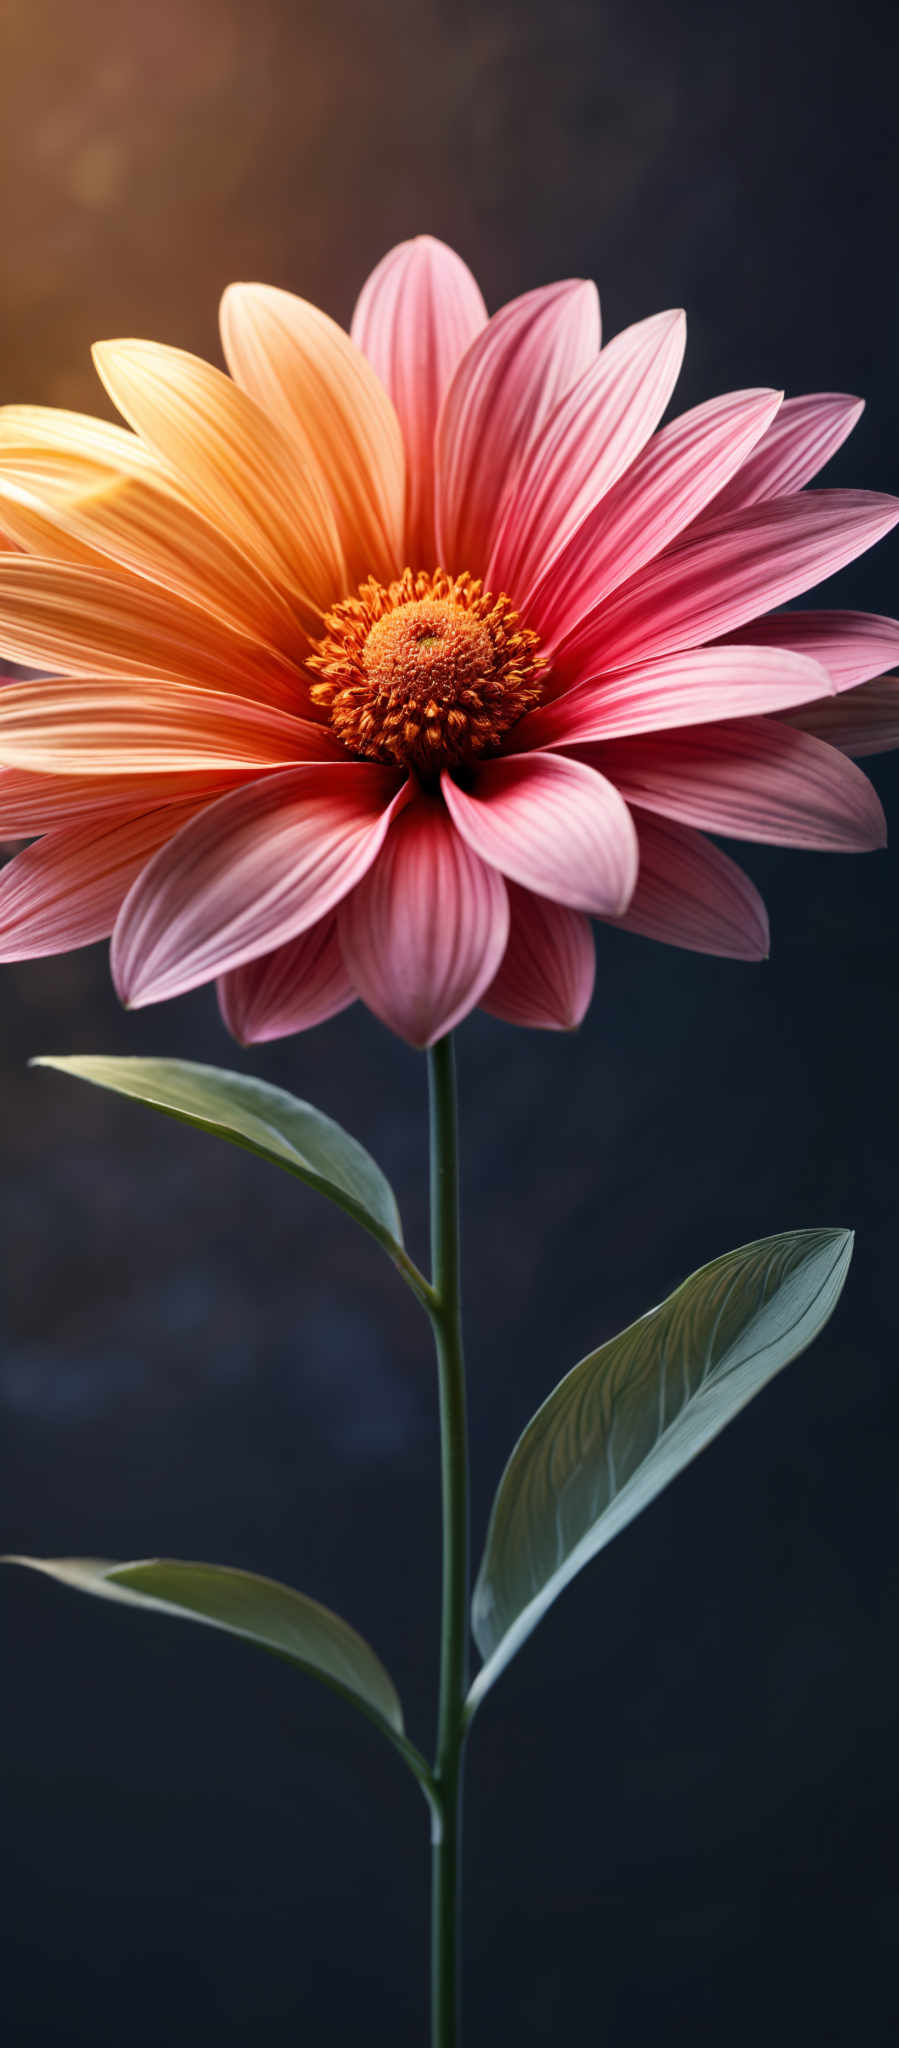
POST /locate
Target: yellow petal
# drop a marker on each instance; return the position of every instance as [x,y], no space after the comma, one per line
[234,460]
[314,381]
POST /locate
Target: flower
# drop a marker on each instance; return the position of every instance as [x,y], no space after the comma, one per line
[386,662]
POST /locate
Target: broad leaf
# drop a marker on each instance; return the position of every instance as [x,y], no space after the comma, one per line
[260,1610]
[262,1119]
[632,1414]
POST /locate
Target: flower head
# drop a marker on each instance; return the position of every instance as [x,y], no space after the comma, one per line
[386,662]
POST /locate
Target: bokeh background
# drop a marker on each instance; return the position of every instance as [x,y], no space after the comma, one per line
[682,1797]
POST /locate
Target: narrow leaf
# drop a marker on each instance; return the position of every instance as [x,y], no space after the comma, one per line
[262,1119]
[240,1603]
[631,1415]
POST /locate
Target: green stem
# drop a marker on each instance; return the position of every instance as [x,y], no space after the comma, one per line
[446,1318]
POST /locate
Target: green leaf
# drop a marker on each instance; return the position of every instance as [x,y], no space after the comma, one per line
[262,1119]
[260,1610]
[632,1414]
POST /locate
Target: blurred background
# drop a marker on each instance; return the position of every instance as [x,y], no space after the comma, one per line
[682,1796]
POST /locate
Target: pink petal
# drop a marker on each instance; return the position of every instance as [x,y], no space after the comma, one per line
[741,565]
[66,889]
[555,826]
[296,986]
[425,931]
[864,721]
[415,316]
[586,445]
[702,684]
[254,870]
[548,968]
[672,480]
[852,646]
[509,381]
[752,779]
[40,803]
[804,436]
[691,894]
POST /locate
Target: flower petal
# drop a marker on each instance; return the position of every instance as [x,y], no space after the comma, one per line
[739,566]
[96,726]
[554,825]
[424,932]
[79,436]
[66,889]
[251,872]
[509,381]
[701,684]
[296,986]
[691,894]
[73,618]
[587,443]
[672,480]
[415,316]
[548,969]
[864,721]
[308,376]
[752,779]
[26,523]
[235,462]
[79,510]
[852,646]
[803,437]
[32,803]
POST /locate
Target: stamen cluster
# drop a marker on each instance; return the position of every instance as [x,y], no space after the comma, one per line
[430,670]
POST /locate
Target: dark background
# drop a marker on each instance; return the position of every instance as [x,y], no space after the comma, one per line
[682,1795]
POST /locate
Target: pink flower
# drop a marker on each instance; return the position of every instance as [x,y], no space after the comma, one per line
[387,662]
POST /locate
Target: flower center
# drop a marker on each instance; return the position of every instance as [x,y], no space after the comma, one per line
[430,671]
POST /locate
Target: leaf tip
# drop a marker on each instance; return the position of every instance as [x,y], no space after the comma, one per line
[843,1238]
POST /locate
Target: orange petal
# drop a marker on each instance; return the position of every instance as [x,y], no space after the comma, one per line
[26,523]
[247,474]
[65,616]
[313,380]
[78,433]
[67,507]
[95,726]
